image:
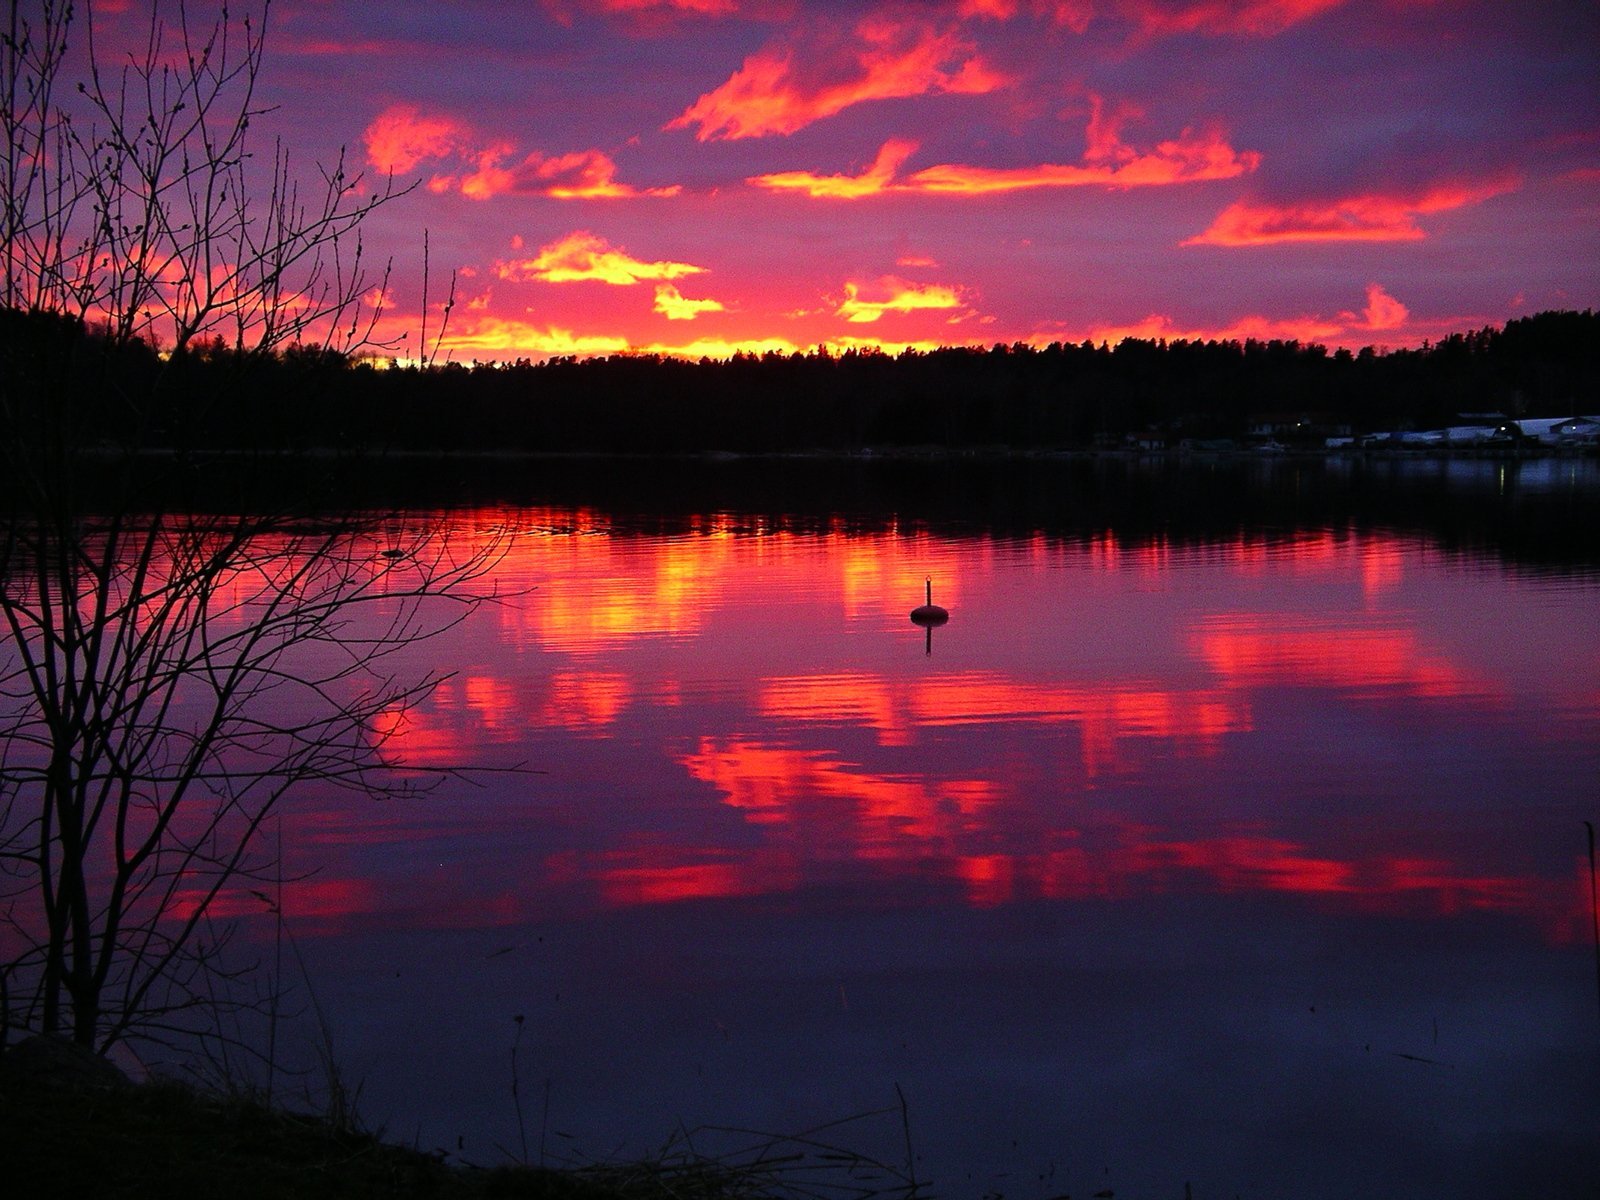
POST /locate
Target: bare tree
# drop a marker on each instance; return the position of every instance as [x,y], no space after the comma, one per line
[137,201]
[167,681]
[168,675]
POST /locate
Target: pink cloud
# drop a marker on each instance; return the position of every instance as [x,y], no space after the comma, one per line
[1383,311]
[1160,18]
[562,10]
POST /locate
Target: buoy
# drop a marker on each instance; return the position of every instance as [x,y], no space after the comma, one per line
[929,613]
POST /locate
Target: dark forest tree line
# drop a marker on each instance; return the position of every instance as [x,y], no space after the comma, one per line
[1018,396]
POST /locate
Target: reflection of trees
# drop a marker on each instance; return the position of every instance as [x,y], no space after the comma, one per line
[165,683]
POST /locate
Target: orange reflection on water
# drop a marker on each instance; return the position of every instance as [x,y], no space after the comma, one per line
[818,689]
[492,700]
[314,905]
[818,794]
[657,877]
[431,736]
[1139,862]
[894,708]
[1232,865]
[875,701]
[1265,650]
[585,700]
[1250,864]
[1105,713]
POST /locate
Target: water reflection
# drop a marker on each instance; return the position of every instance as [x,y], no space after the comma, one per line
[770,675]
[1302,756]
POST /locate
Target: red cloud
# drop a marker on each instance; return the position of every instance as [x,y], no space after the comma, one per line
[1375,217]
[402,136]
[1107,162]
[1382,313]
[1259,18]
[770,94]
[998,10]
[562,10]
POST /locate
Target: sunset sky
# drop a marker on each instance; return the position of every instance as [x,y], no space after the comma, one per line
[700,176]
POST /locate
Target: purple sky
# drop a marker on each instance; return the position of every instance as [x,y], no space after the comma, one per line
[699,176]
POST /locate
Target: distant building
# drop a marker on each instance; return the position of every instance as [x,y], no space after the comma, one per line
[1296,429]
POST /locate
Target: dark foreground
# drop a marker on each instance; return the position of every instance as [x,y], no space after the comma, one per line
[167,1140]
[71,1126]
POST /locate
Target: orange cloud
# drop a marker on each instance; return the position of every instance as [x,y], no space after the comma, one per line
[1368,218]
[487,338]
[494,337]
[900,296]
[1185,159]
[581,175]
[1108,161]
[771,94]
[876,178]
[673,305]
[582,256]
[402,136]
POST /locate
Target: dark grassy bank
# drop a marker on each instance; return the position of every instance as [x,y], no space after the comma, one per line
[164,1139]
[71,1126]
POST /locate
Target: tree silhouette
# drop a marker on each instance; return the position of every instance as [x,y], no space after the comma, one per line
[169,673]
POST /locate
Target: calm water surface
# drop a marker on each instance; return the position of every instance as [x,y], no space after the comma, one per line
[1251,858]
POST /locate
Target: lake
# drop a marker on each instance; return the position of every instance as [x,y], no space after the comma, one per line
[1229,835]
